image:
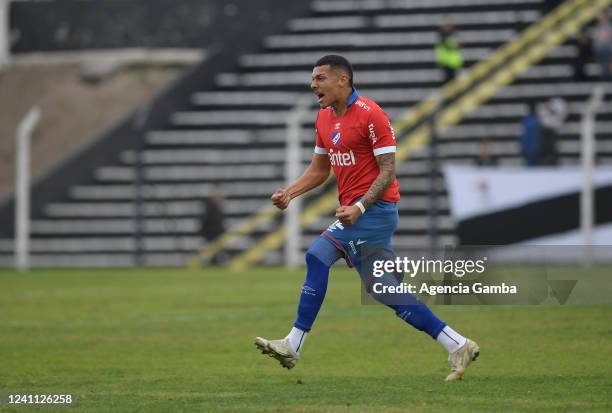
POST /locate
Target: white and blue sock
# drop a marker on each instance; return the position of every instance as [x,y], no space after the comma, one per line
[296,339]
[319,257]
[450,339]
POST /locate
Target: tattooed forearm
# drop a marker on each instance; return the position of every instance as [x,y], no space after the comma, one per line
[386,176]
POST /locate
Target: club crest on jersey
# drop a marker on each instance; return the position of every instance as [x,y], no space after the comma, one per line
[335,138]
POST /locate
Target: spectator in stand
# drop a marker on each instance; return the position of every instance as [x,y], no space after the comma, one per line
[552,117]
[602,45]
[212,223]
[530,136]
[485,154]
[584,55]
[448,55]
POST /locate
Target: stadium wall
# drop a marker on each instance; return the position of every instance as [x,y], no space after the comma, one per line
[245,33]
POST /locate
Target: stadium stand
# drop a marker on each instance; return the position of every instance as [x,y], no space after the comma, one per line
[232,134]
[68,25]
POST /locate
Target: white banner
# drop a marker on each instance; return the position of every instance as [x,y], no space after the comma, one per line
[474,191]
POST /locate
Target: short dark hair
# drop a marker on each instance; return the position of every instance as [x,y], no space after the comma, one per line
[337,62]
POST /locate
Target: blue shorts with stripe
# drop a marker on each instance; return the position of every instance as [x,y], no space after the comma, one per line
[373,229]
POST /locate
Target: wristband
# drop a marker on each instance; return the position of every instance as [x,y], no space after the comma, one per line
[361,207]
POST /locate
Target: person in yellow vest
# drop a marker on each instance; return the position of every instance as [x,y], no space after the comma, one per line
[448,55]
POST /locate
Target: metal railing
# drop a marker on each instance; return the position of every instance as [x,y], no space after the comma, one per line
[22,188]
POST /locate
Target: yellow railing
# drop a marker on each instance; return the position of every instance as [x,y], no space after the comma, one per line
[486,66]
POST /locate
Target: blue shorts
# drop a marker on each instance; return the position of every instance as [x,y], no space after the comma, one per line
[374,229]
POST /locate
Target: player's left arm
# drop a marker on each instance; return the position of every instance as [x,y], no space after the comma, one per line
[382,139]
[386,176]
[348,215]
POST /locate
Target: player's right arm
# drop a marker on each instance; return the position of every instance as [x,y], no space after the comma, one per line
[316,173]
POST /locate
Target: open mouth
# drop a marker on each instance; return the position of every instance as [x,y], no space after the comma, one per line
[320,96]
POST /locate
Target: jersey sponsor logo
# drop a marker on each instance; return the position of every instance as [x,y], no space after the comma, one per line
[359,242]
[372,132]
[362,105]
[342,158]
[392,131]
[335,138]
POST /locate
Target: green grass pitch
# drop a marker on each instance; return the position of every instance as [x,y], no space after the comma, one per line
[160,340]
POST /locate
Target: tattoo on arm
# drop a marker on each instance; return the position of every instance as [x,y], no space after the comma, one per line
[386,176]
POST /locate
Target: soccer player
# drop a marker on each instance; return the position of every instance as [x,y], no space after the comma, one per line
[354,138]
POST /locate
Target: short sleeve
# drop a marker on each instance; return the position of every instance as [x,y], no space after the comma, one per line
[380,132]
[319,145]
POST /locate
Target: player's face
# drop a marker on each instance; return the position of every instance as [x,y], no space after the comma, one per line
[327,84]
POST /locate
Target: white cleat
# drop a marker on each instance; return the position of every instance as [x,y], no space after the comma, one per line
[278,349]
[461,359]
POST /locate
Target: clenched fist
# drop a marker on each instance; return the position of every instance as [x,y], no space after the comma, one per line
[280,198]
[348,215]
